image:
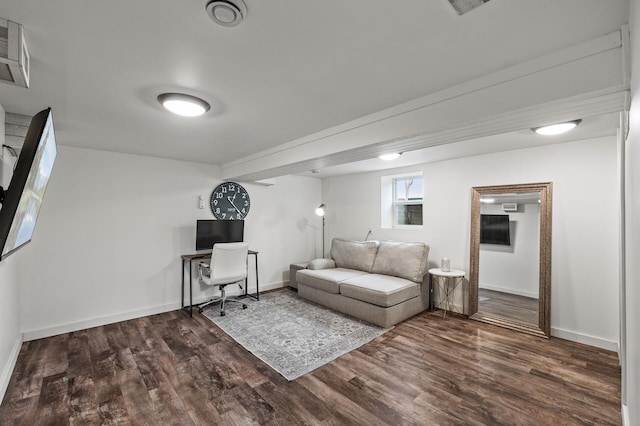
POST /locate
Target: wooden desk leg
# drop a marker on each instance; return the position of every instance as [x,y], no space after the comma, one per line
[257,285]
[190,291]
[182,287]
[246,281]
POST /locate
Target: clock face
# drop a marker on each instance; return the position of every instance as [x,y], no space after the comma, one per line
[230,201]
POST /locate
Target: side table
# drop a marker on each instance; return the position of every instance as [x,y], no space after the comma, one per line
[447,281]
[293,268]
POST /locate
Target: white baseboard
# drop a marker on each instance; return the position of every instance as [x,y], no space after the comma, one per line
[5,378]
[625,415]
[509,290]
[584,338]
[124,316]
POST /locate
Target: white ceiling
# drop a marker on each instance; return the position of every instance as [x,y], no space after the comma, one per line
[291,68]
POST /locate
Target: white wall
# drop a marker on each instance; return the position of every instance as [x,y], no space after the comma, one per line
[112,228]
[631,369]
[514,268]
[10,337]
[584,294]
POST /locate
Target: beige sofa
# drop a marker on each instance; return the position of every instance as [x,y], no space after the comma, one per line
[381,282]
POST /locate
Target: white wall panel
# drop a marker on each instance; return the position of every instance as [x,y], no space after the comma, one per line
[631,370]
[113,226]
[584,295]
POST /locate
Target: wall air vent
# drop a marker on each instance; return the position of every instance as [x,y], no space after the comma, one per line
[509,207]
[14,56]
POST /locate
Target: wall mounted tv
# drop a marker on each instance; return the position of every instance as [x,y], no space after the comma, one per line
[494,229]
[210,232]
[21,201]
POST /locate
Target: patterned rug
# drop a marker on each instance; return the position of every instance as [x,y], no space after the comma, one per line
[293,336]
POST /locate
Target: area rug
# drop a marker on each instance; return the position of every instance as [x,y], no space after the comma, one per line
[293,336]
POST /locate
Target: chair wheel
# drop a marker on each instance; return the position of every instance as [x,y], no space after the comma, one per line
[222,314]
[244,306]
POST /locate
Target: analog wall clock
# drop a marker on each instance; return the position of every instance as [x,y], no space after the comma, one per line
[230,201]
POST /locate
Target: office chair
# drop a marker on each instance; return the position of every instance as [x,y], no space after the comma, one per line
[228,266]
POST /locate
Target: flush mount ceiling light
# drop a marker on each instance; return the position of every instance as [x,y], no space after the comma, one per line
[556,129]
[227,13]
[389,157]
[185,105]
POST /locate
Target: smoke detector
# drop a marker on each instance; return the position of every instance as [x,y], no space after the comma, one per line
[227,13]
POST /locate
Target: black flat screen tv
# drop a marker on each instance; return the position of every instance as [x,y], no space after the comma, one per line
[22,199]
[494,229]
[210,232]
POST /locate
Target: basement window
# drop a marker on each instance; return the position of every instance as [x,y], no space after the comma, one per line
[402,201]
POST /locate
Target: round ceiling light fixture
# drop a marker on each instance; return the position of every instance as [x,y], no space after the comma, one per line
[227,13]
[391,156]
[557,129]
[184,105]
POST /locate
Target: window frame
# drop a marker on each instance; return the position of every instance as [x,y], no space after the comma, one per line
[389,201]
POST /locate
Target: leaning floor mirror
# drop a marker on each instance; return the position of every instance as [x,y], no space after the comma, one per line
[510,271]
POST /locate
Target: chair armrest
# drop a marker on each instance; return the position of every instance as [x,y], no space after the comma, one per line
[321,264]
[203,269]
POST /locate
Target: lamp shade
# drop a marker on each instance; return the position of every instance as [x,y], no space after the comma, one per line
[320,210]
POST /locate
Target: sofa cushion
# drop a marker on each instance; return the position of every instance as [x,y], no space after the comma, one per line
[380,290]
[321,264]
[405,260]
[354,254]
[326,279]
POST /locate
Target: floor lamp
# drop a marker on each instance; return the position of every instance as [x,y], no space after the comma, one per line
[320,212]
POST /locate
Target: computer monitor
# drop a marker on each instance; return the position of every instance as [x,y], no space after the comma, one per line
[210,232]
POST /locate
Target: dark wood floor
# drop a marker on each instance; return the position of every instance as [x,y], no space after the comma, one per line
[511,306]
[169,369]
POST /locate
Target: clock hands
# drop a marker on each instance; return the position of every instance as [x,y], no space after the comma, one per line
[231,201]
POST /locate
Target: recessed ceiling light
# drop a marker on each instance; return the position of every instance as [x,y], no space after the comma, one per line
[185,105]
[227,13]
[556,129]
[391,156]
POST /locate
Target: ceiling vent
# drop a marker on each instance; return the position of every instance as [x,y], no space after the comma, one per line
[464,6]
[227,13]
[14,56]
[509,207]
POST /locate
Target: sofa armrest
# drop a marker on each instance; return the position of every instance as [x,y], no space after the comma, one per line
[321,264]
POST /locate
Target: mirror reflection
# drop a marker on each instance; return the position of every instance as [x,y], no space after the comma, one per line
[508,277]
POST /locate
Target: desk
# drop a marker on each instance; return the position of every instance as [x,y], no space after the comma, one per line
[203,256]
[448,281]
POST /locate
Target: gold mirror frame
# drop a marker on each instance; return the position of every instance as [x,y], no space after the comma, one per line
[544,297]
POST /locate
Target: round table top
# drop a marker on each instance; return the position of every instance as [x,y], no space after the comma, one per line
[450,273]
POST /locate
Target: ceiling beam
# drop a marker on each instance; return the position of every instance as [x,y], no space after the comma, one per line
[545,90]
